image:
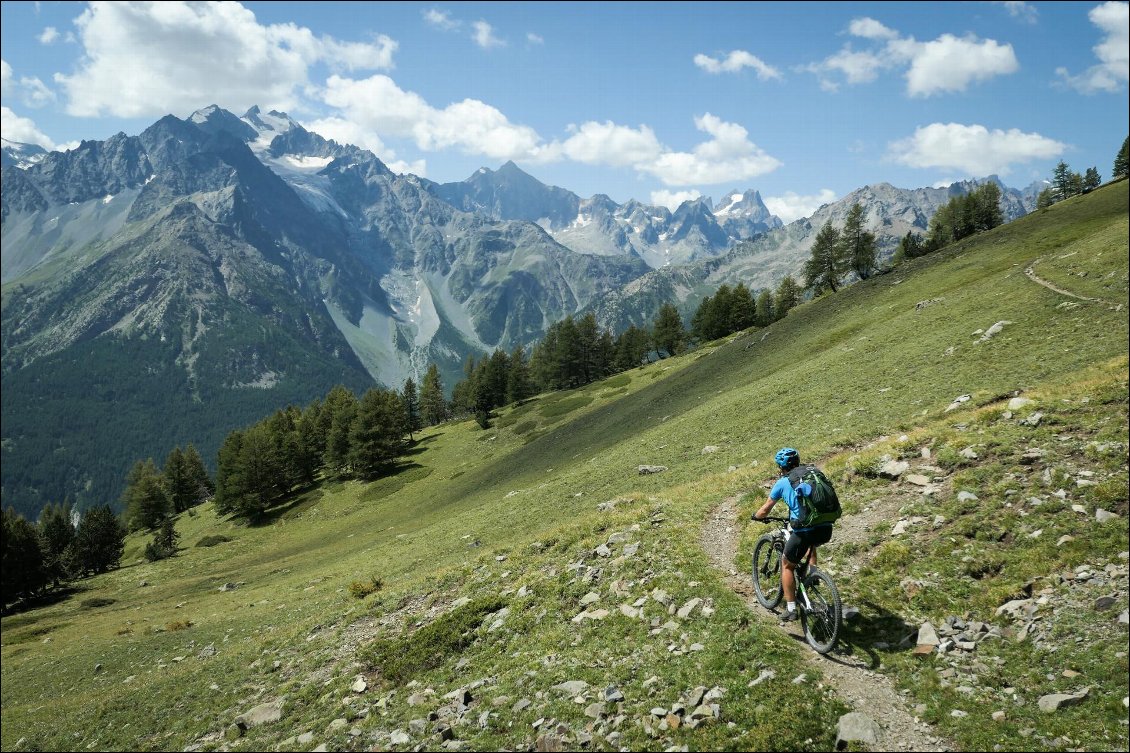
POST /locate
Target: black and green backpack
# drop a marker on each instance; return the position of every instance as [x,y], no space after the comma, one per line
[822,505]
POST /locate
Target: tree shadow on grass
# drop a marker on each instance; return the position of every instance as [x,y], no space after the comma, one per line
[27,604]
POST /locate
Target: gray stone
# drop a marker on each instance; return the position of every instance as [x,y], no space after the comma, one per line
[264,713]
[399,737]
[1057,701]
[710,448]
[613,694]
[1104,603]
[570,688]
[1017,403]
[646,469]
[856,727]
[686,609]
[305,738]
[359,685]
[918,479]
[964,496]
[602,551]
[927,635]
[894,468]
[1102,516]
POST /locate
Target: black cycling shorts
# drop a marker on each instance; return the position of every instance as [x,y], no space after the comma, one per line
[796,548]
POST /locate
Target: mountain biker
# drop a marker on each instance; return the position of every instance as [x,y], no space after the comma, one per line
[786,488]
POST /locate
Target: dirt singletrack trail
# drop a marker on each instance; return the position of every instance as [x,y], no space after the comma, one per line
[857,686]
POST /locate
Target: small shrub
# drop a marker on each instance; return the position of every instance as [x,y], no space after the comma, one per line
[176,625]
[360,589]
[213,540]
[525,427]
[401,659]
[96,602]
[127,630]
[568,405]
[894,555]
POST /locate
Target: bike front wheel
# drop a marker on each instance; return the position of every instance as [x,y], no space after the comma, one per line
[824,616]
[767,555]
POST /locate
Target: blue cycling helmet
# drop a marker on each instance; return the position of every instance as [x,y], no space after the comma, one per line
[787,458]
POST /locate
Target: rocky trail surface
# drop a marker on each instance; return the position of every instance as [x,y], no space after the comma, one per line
[877,707]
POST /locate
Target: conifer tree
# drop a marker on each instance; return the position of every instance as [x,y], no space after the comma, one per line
[377,434]
[164,543]
[180,487]
[742,309]
[788,296]
[229,479]
[825,267]
[1092,179]
[22,570]
[261,474]
[411,408]
[145,500]
[341,407]
[766,308]
[57,536]
[518,384]
[198,474]
[432,402]
[1045,198]
[668,332]
[1062,181]
[99,540]
[1122,161]
[858,244]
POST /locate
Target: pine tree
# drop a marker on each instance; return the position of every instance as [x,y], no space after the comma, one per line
[22,570]
[986,201]
[1045,199]
[1061,181]
[377,434]
[179,485]
[518,384]
[766,308]
[1092,179]
[99,540]
[341,407]
[145,500]
[668,330]
[164,543]
[432,402]
[411,408]
[858,248]
[261,473]
[198,474]
[230,487]
[57,536]
[788,296]
[743,310]
[824,268]
[1122,161]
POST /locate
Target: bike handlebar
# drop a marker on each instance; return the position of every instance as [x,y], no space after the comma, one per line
[770,519]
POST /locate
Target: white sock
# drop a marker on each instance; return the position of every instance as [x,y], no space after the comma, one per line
[791,606]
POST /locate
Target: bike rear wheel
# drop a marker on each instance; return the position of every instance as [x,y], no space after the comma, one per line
[823,618]
[767,555]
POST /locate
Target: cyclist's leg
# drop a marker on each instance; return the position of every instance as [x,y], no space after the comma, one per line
[793,555]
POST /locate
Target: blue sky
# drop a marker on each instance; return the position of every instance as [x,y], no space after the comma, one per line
[654,101]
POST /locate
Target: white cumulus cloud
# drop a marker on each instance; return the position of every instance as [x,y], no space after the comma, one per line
[945,64]
[180,56]
[5,77]
[23,130]
[1113,69]
[869,28]
[49,35]
[728,156]
[736,61]
[441,19]
[484,37]
[608,144]
[950,64]
[972,149]
[31,91]
[672,199]
[792,206]
[1021,10]
[533,38]
[379,106]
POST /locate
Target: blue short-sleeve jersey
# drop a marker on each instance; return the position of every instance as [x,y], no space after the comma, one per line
[783,490]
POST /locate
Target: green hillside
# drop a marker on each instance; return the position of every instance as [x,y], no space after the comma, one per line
[494,550]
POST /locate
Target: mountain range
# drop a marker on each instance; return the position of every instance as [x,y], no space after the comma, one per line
[167,287]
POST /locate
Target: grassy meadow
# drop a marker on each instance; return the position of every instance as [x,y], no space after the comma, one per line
[484,547]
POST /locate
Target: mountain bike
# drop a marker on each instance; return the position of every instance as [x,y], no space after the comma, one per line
[821,612]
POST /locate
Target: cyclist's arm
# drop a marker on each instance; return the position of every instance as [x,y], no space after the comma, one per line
[774,495]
